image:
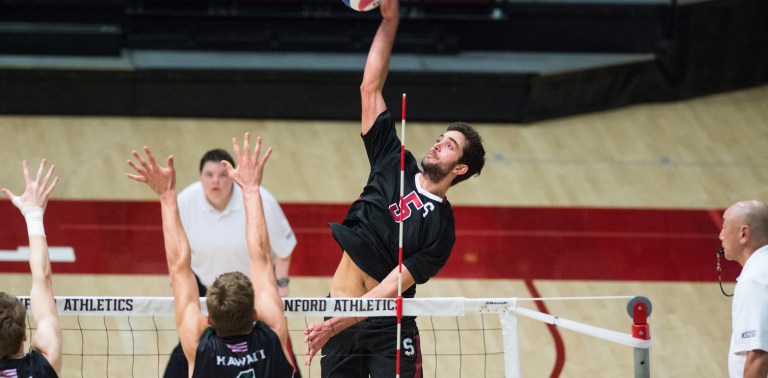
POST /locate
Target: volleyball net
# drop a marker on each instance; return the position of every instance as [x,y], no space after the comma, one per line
[459,337]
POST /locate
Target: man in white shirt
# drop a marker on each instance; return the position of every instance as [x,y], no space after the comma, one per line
[213,217]
[214,220]
[745,240]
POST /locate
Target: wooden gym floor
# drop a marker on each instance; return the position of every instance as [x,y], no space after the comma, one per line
[702,154]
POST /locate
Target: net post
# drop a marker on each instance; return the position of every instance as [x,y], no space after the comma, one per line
[511,344]
[639,308]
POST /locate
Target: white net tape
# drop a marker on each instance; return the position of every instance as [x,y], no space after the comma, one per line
[99,332]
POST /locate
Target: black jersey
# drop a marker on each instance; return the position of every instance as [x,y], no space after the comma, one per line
[370,232]
[33,365]
[257,354]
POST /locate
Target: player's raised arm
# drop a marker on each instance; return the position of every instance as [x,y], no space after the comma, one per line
[377,64]
[248,175]
[47,340]
[162,180]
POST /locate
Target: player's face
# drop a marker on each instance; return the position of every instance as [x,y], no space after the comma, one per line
[443,155]
[216,182]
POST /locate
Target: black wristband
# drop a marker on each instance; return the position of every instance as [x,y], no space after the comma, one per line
[283,282]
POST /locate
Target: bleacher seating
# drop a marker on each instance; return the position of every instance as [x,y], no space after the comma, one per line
[500,52]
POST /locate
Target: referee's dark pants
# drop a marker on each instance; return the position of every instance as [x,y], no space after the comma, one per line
[177,362]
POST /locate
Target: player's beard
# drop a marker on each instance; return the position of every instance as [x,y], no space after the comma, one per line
[435,172]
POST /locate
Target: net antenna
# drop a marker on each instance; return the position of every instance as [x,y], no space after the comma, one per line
[399,301]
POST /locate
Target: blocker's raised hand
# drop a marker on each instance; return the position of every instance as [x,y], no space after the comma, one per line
[250,166]
[160,179]
[37,191]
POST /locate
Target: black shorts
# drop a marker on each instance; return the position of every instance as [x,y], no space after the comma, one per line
[368,348]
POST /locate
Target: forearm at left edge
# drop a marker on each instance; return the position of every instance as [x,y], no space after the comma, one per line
[282,266]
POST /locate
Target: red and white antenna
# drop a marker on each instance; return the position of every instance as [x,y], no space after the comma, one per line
[399,300]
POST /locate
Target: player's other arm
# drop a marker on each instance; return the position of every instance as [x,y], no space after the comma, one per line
[282,240]
[387,288]
[377,64]
[316,335]
[47,339]
[282,266]
[189,318]
[420,266]
[248,175]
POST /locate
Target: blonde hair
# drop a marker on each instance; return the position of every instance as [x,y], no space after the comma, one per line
[230,304]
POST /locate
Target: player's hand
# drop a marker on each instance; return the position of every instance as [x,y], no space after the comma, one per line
[37,191]
[250,167]
[161,180]
[316,335]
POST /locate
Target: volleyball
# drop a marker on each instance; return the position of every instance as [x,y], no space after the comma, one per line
[362,5]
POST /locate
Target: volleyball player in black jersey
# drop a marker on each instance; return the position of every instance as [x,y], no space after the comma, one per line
[44,357]
[358,347]
[245,332]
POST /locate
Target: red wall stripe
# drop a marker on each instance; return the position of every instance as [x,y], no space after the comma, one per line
[125,237]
